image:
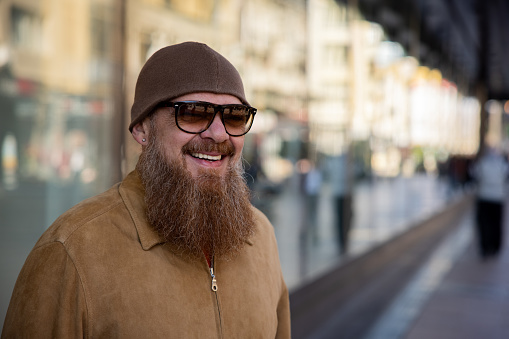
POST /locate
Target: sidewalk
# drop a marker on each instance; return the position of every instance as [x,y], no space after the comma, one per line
[455,295]
[472,301]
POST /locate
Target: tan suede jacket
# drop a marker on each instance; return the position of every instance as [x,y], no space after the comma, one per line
[100,271]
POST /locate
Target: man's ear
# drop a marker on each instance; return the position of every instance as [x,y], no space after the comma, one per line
[140,133]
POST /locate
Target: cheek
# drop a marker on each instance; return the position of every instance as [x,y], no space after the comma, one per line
[238,152]
[175,143]
[238,144]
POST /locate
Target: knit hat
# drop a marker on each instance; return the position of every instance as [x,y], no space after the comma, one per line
[181,69]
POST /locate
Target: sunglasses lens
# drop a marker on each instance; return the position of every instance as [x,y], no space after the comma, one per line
[194,117]
[237,119]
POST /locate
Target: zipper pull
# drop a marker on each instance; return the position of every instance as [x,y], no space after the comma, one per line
[214,282]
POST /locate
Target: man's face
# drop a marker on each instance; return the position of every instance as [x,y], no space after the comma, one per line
[198,204]
[175,143]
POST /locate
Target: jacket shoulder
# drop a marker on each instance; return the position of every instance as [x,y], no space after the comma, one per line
[260,217]
[81,214]
[264,233]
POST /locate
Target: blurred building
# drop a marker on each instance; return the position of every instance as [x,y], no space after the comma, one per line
[58,76]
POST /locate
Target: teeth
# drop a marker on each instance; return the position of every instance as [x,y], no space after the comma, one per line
[206,156]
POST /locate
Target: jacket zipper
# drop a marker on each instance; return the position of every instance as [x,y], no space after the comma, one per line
[214,282]
[212,275]
[214,289]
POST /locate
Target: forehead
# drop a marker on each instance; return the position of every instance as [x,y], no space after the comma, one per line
[219,99]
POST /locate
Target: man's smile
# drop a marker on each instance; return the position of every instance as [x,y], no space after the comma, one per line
[196,162]
[206,156]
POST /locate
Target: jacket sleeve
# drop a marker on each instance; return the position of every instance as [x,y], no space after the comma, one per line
[48,300]
[283,314]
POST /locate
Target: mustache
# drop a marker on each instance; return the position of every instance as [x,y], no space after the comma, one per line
[195,146]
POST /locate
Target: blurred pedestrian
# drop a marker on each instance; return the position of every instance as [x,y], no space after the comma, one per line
[312,186]
[341,185]
[490,172]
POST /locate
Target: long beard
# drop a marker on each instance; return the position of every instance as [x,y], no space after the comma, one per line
[209,214]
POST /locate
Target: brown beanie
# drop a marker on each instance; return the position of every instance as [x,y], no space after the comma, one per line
[180,69]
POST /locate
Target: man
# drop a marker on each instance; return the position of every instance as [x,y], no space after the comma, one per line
[491,172]
[175,250]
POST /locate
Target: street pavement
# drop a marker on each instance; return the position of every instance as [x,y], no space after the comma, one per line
[472,299]
[455,295]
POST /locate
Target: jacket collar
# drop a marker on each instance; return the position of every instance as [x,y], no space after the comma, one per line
[132,192]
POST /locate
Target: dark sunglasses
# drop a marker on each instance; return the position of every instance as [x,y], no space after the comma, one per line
[196,116]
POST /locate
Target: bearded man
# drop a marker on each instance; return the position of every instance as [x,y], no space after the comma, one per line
[175,250]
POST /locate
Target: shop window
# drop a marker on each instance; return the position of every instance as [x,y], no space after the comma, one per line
[26,28]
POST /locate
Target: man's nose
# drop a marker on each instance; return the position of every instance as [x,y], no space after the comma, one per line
[216,130]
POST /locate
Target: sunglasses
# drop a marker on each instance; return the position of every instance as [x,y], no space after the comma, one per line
[196,116]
